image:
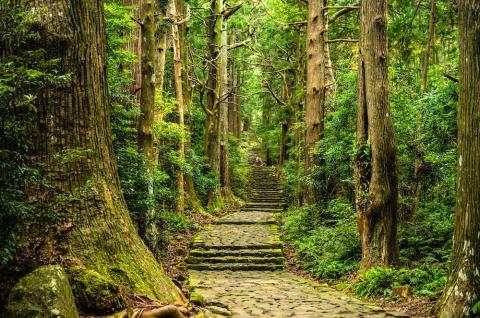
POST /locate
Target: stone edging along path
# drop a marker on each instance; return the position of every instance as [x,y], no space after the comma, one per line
[236,266]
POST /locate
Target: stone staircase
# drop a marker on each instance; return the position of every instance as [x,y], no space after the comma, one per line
[248,240]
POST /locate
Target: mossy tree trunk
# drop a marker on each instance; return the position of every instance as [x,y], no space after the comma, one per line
[430,42]
[178,80]
[215,90]
[147,141]
[73,145]
[375,168]
[183,9]
[463,287]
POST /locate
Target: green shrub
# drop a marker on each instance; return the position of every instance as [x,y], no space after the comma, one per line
[425,281]
[326,239]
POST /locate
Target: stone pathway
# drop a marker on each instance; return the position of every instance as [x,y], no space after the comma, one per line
[236,266]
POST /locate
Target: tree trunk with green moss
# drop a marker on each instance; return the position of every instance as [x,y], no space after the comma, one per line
[147,141]
[462,291]
[215,90]
[73,145]
[178,80]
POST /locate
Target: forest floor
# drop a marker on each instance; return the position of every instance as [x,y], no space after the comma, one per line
[236,266]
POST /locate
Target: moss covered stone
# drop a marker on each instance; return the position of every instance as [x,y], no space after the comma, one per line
[94,293]
[44,293]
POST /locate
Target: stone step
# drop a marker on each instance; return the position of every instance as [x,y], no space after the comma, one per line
[265,204]
[261,197]
[262,209]
[267,193]
[236,267]
[235,259]
[243,253]
[267,200]
[259,246]
[248,218]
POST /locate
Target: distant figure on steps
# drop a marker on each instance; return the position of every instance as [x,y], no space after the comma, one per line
[258,161]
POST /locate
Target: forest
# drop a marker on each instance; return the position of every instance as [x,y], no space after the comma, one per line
[239,158]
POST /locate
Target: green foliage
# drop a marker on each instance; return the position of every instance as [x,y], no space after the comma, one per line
[326,239]
[425,281]
[336,149]
[238,167]
[24,70]
[171,223]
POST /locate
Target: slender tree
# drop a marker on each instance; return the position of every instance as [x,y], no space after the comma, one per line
[73,146]
[214,91]
[462,291]
[315,99]
[431,39]
[177,70]
[375,168]
[147,143]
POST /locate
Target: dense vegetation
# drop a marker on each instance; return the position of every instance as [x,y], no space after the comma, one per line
[194,85]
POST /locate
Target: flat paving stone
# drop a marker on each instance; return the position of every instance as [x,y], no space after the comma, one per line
[276,294]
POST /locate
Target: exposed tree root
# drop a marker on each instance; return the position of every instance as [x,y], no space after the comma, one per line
[169,311]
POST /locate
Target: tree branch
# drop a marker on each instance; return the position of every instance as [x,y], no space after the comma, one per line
[341,40]
[239,44]
[450,77]
[344,11]
[227,13]
[277,99]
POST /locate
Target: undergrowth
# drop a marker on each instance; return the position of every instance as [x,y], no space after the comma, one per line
[325,238]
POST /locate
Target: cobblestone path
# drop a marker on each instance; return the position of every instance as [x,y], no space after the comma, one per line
[236,266]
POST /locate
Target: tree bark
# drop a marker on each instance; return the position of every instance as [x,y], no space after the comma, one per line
[177,70]
[161,43]
[223,117]
[330,84]
[431,38]
[237,101]
[73,145]
[232,122]
[315,99]
[283,144]
[146,138]
[134,45]
[463,287]
[375,167]
[191,197]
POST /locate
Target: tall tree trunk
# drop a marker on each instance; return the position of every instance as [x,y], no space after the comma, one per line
[134,45]
[237,101]
[191,197]
[375,167]
[223,117]
[315,100]
[299,118]
[431,38]
[463,287]
[283,143]
[177,70]
[146,138]
[74,124]
[330,84]
[232,108]
[214,83]
[161,43]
